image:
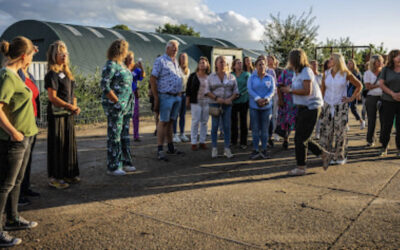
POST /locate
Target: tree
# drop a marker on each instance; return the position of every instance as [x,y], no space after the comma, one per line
[182,29]
[120,27]
[283,35]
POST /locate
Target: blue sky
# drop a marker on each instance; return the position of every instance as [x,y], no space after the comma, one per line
[241,22]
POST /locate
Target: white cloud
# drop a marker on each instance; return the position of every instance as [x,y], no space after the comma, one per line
[139,14]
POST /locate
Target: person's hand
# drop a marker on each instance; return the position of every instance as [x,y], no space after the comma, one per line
[227,101]
[156,105]
[347,99]
[285,89]
[220,101]
[111,95]
[396,96]
[17,136]
[261,102]
[77,111]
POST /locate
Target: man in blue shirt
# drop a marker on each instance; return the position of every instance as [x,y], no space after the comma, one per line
[166,86]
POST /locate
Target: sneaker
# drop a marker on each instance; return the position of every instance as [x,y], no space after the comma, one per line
[175,152]
[19,224]
[332,162]
[194,147]
[243,146]
[23,201]
[265,155]
[58,184]
[228,153]
[31,193]
[326,159]
[176,138]
[129,168]
[7,240]
[203,146]
[276,137]
[370,144]
[254,155]
[383,152]
[317,136]
[74,180]
[341,162]
[297,172]
[184,138]
[118,172]
[362,125]
[270,143]
[161,156]
[214,153]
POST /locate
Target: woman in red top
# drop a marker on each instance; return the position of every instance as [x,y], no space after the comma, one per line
[25,185]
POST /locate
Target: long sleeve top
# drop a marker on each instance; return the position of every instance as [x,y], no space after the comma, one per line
[260,88]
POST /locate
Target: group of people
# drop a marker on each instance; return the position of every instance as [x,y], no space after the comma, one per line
[297,98]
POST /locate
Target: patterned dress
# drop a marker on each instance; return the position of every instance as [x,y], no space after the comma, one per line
[118,79]
[287,113]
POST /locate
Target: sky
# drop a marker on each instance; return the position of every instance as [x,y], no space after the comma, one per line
[241,22]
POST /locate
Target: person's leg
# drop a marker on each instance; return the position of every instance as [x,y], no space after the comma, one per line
[215,120]
[301,135]
[25,185]
[370,103]
[264,121]
[397,125]
[196,117]
[243,123]
[255,129]
[388,113]
[234,123]
[340,132]
[135,117]
[166,104]
[203,122]
[114,148]
[327,129]
[226,118]
[182,114]
[353,108]
[173,116]
[126,156]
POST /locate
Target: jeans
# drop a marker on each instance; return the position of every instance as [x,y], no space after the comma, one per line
[390,112]
[260,121]
[26,182]
[135,116]
[199,117]
[14,157]
[353,109]
[169,107]
[242,109]
[226,121]
[181,116]
[371,104]
[305,123]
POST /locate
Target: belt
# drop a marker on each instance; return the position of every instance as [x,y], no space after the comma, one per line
[302,107]
[173,94]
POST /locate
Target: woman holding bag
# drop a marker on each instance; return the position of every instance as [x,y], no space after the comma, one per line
[222,89]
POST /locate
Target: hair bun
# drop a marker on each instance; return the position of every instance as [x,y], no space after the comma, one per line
[4,47]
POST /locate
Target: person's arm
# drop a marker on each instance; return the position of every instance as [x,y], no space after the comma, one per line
[386,89]
[270,93]
[189,89]
[323,87]
[212,96]
[56,101]
[78,109]
[154,91]
[357,84]
[107,75]
[6,125]
[368,82]
[235,93]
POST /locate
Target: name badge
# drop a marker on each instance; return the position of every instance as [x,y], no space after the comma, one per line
[61,75]
[268,83]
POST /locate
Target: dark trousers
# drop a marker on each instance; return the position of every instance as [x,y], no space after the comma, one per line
[353,108]
[241,109]
[371,104]
[305,123]
[14,157]
[26,182]
[390,111]
[181,116]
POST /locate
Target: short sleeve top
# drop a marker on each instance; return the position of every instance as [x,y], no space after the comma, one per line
[62,84]
[312,101]
[392,81]
[18,107]
[223,89]
[371,78]
[168,74]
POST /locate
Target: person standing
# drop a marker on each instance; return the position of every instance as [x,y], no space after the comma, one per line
[261,88]
[373,100]
[286,108]
[352,66]
[166,87]
[240,105]
[308,98]
[17,130]
[62,157]
[30,82]
[389,81]
[185,72]
[117,102]
[222,89]
[248,65]
[335,112]
[197,100]
[138,74]
[318,77]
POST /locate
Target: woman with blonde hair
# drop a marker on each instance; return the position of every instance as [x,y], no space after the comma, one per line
[248,65]
[62,158]
[185,72]
[335,111]
[222,89]
[17,132]
[198,102]
[117,101]
[373,99]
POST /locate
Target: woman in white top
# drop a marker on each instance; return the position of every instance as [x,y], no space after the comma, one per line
[335,111]
[373,100]
[185,72]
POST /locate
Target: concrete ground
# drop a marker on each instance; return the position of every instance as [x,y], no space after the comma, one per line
[195,202]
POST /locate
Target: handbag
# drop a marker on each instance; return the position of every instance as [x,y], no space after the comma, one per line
[215,111]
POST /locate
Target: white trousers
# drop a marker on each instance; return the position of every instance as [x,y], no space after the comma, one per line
[199,117]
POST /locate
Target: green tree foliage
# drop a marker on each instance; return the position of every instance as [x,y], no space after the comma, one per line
[120,27]
[182,29]
[283,35]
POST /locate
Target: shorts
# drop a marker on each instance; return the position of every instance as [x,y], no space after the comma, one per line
[169,107]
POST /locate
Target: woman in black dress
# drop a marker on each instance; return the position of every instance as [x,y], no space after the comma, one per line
[62,161]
